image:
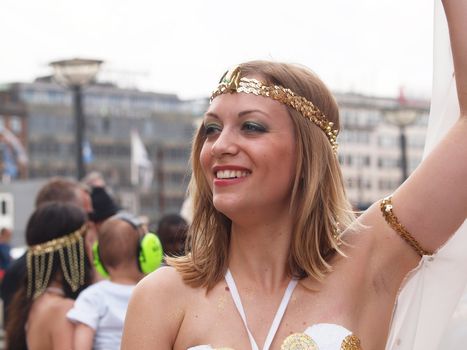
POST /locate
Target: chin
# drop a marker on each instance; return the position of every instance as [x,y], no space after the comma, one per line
[228,206]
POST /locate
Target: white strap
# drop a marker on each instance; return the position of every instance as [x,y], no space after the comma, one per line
[277,318]
[280,313]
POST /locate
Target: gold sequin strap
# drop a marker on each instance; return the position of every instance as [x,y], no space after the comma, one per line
[391,219]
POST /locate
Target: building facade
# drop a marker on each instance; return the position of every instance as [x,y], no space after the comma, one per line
[163,122]
[13,137]
[369,146]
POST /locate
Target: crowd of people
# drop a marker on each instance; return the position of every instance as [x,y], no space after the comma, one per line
[85,254]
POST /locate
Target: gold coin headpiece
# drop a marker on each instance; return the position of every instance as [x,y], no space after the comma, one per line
[231,82]
[40,259]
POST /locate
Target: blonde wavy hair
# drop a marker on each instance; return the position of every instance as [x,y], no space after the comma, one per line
[318,200]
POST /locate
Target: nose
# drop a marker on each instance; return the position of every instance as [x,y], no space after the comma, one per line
[225,144]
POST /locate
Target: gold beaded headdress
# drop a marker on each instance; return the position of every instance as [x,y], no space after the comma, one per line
[40,258]
[231,82]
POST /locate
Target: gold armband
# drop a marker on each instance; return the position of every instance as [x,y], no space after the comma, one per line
[391,219]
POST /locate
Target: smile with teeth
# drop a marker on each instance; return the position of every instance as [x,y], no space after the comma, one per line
[231,174]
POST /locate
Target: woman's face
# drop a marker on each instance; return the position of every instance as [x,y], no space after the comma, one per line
[248,157]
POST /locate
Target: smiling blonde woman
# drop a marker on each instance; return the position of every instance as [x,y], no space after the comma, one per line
[276,259]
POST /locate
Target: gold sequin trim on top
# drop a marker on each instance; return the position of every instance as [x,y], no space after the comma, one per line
[231,82]
[351,342]
[388,214]
[299,341]
[302,341]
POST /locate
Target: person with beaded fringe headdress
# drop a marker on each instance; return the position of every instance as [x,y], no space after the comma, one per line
[58,269]
[275,258]
[56,189]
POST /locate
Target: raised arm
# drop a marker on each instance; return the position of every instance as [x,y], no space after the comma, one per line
[432,203]
[456,13]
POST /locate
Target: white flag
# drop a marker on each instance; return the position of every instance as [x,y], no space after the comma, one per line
[141,166]
[12,140]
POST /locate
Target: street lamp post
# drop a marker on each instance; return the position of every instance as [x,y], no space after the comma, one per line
[75,73]
[402,116]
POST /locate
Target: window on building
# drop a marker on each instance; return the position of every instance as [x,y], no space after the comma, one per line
[416,141]
[105,125]
[387,141]
[388,162]
[15,124]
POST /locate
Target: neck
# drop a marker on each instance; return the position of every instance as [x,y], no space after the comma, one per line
[258,254]
[55,289]
[125,275]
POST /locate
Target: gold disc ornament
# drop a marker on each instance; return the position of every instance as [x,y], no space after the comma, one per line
[299,341]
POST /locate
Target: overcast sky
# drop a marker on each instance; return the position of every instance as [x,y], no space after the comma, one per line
[367,46]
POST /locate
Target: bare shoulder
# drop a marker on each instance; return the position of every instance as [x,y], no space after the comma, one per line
[163,278]
[53,307]
[156,310]
[47,322]
[163,285]
[64,305]
[58,310]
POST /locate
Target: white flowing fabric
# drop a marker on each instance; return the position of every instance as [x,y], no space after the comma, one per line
[432,291]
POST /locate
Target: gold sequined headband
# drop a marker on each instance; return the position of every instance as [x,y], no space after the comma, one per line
[40,259]
[231,82]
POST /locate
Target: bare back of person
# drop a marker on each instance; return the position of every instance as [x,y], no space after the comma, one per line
[47,327]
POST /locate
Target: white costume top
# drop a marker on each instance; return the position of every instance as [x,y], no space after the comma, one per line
[326,336]
[102,306]
[455,336]
[431,292]
[322,336]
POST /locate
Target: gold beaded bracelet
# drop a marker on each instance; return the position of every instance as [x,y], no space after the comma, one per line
[391,219]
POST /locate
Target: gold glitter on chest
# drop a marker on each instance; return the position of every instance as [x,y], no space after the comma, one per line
[221,302]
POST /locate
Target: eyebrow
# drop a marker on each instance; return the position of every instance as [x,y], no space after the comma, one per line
[211,114]
[241,114]
[248,111]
